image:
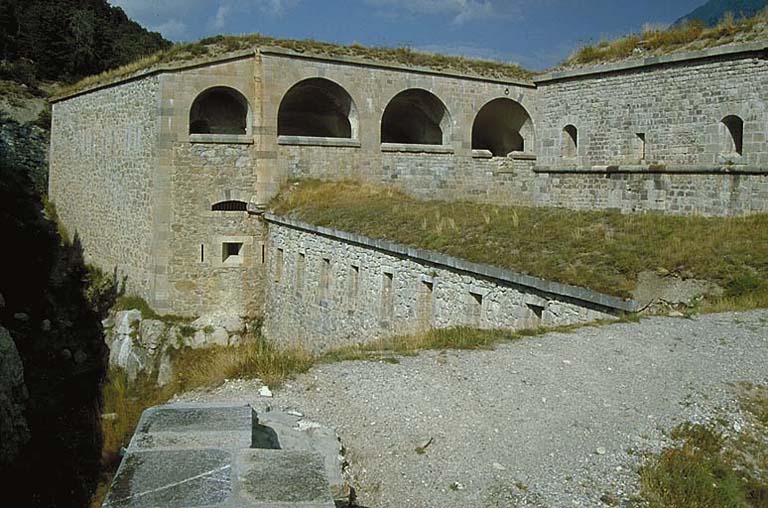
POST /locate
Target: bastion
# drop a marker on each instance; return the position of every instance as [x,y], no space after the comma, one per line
[165,174]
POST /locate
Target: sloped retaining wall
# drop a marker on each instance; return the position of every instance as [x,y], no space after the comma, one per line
[328,288]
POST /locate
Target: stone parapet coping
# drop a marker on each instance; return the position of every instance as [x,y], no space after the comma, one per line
[273,50]
[318,141]
[413,148]
[481,270]
[682,169]
[637,63]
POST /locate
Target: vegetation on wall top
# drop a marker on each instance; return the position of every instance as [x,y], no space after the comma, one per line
[601,250]
[690,36]
[222,45]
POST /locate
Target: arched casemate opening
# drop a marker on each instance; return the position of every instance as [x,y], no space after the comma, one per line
[219,110]
[416,116]
[317,107]
[502,126]
[230,206]
[733,141]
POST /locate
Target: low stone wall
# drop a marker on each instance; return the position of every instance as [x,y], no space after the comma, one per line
[328,288]
[701,193]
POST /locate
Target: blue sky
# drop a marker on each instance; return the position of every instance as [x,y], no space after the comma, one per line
[534,33]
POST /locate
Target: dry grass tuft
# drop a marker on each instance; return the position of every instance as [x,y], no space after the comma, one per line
[690,36]
[711,468]
[602,250]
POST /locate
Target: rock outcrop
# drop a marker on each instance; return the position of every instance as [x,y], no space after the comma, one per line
[14,431]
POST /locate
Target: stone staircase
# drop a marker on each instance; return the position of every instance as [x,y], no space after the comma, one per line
[184,456]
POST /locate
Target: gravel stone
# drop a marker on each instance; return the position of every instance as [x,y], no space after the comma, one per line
[522,407]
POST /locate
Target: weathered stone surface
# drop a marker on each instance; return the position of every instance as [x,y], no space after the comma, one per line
[652,287]
[176,427]
[280,477]
[14,432]
[172,479]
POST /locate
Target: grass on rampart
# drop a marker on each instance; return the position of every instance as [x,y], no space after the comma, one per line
[693,35]
[714,467]
[601,250]
[221,45]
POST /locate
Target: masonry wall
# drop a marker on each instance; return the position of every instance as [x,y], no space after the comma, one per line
[436,172]
[325,291]
[203,170]
[103,158]
[685,164]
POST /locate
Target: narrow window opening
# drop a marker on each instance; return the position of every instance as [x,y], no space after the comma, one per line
[734,140]
[279,265]
[231,252]
[387,296]
[263,253]
[354,286]
[570,141]
[325,280]
[475,308]
[202,253]
[425,303]
[641,146]
[537,311]
[300,262]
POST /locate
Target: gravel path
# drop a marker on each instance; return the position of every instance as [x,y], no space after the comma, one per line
[555,420]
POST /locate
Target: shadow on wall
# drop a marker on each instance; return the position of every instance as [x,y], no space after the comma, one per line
[59,338]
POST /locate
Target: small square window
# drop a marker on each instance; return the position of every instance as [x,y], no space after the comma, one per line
[232,253]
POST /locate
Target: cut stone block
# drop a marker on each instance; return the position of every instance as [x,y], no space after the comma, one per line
[172,479]
[282,478]
[194,426]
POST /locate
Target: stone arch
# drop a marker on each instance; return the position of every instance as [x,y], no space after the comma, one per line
[317,107]
[219,110]
[416,116]
[733,139]
[502,126]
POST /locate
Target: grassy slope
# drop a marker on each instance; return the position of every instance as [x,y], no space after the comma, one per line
[688,37]
[601,250]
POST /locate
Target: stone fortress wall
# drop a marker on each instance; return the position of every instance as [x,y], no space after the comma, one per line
[103,159]
[330,288]
[165,175]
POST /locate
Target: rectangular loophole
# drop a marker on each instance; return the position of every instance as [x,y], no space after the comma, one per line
[232,253]
[536,310]
[279,260]
[425,309]
[323,289]
[300,264]
[475,308]
[353,286]
[263,253]
[202,253]
[641,147]
[387,295]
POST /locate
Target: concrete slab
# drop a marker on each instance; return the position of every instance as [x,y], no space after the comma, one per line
[172,479]
[282,478]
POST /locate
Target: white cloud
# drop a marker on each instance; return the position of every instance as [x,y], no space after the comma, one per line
[173,29]
[220,21]
[461,10]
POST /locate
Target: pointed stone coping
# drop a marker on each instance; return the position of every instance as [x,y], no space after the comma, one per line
[177,426]
[220,478]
